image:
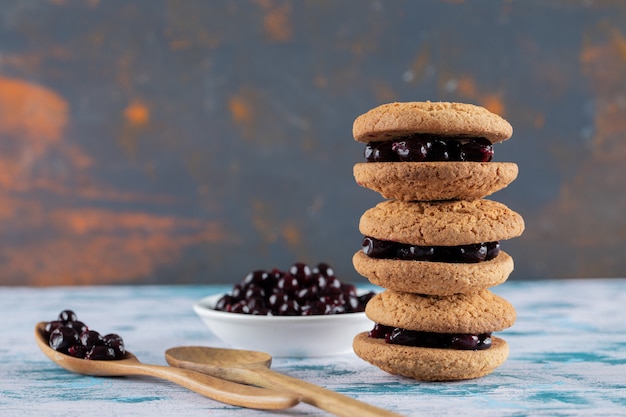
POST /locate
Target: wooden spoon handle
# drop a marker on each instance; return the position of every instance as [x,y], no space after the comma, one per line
[220,390]
[333,402]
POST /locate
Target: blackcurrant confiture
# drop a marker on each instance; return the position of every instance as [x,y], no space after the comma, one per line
[430,148]
[384,249]
[414,338]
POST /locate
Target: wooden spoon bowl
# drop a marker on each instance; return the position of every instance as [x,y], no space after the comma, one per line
[252,367]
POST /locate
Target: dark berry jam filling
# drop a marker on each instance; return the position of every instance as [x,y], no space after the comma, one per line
[383,249]
[404,337]
[300,291]
[430,148]
[70,336]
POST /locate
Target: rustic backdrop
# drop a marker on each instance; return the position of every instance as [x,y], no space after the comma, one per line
[157,141]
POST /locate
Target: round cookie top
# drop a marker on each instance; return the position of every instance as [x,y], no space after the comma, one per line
[441,223]
[474,313]
[393,120]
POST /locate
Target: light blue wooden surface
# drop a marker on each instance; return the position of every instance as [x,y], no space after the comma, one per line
[568,357]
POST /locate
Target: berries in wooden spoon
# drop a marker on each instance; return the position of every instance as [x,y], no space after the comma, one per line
[68,335]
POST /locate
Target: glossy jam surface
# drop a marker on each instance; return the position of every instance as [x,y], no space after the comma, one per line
[404,337]
[68,335]
[430,148]
[383,249]
[299,291]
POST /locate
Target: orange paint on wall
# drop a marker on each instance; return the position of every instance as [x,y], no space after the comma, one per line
[239,110]
[136,119]
[384,92]
[262,221]
[466,87]
[31,111]
[603,59]
[33,119]
[63,244]
[63,240]
[276,20]
[273,229]
[593,197]
[539,121]
[90,220]
[291,234]
[87,246]
[493,103]
[420,64]
[604,51]
[243,109]
[137,113]
[619,43]
[24,63]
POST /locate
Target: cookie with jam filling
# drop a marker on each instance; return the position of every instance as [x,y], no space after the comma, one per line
[437,248]
[436,338]
[426,151]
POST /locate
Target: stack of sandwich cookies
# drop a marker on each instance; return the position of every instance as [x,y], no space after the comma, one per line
[436,260]
[435,246]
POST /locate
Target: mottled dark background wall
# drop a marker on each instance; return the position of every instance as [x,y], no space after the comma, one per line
[191,141]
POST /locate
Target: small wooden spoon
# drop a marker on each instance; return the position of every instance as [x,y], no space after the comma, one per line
[211,387]
[251,367]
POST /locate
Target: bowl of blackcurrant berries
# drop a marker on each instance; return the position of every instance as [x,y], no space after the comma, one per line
[303,311]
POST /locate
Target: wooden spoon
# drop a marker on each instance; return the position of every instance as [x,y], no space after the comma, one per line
[211,387]
[251,367]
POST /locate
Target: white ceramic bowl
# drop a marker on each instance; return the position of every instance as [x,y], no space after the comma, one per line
[283,336]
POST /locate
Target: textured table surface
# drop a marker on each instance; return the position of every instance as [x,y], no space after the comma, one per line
[568,357]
